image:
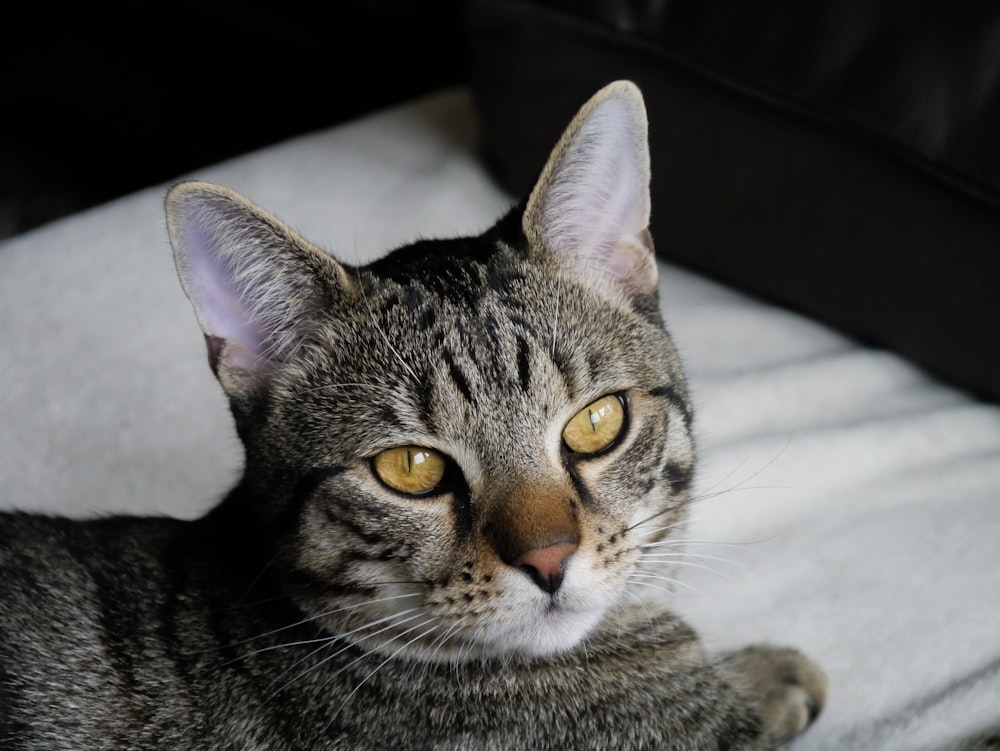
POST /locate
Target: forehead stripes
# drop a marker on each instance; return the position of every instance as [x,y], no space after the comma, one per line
[485,331]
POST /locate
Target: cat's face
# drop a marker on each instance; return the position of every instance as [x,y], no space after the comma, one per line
[474,439]
[466,432]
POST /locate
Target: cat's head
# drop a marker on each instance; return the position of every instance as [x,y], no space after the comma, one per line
[462,448]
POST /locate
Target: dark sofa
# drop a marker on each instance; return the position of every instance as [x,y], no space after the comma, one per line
[841,157]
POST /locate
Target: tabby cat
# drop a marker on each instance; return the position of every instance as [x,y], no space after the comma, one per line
[465,463]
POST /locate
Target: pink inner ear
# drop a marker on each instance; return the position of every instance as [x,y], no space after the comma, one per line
[225,313]
[616,208]
[629,264]
[595,207]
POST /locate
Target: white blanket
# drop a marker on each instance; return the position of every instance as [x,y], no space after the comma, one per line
[854,502]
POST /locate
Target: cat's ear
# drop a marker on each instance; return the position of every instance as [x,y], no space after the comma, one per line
[590,207]
[256,286]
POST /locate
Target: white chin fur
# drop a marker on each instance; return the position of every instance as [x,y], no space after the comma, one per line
[557,631]
[540,629]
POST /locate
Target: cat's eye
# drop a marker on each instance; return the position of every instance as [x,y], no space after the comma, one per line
[410,469]
[596,427]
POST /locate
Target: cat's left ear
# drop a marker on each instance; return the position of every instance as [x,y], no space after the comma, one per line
[590,207]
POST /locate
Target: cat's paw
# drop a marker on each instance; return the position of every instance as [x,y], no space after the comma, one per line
[784,687]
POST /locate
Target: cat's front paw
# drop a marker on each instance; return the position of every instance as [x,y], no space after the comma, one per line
[784,687]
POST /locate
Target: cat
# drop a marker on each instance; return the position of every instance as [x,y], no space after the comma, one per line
[464,464]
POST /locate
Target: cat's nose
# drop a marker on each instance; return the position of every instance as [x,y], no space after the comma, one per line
[546,565]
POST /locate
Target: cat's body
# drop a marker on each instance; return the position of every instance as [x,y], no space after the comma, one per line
[465,464]
[186,655]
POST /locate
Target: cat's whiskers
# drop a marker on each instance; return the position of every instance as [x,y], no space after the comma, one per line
[444,636]
[386,661]
[625,597]
[464,651]
[687,554]
[637,578]
[330,639]
[676,553]
[680,543]
[325,640]
[753,474]
[303,622]
[334,639]
[682,523]
[449,633]
[658,588]
[657,554]
[690,564]
[257,579]
[654,516]
[698,499]
[701,560]
[710,494]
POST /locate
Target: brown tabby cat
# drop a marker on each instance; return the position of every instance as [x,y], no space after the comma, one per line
[465,463]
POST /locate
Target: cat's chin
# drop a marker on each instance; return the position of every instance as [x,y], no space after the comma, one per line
[557,630]
[536,635]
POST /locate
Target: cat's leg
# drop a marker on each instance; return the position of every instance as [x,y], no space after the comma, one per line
[784,687]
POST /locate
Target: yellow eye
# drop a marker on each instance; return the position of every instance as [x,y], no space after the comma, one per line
[596,426]
[410,469]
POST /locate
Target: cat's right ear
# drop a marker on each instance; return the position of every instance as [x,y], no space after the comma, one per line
[257,287]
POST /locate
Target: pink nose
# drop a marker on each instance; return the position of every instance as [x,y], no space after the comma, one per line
[546,565]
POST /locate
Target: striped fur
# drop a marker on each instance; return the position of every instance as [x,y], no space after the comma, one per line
[317,608]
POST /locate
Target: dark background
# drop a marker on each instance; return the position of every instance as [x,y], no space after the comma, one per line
[100,99]
[837,157]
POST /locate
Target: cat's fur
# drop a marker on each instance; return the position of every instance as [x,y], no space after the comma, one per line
[317,608]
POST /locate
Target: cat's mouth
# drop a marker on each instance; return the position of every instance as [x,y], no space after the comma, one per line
[537,629]
[507,611]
